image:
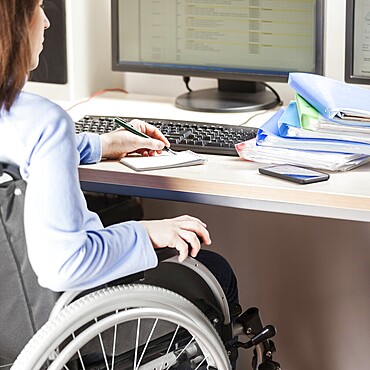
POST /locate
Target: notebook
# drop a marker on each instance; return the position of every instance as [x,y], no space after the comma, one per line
[165,160]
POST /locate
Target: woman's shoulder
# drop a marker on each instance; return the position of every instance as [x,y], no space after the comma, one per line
[39,111]
[39,103]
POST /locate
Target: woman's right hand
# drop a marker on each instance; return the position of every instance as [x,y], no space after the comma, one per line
[118,143]
[180,233]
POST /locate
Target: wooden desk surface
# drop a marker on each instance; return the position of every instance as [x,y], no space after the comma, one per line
[232,182]
[225,181]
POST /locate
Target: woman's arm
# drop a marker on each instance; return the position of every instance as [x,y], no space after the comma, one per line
[68,246]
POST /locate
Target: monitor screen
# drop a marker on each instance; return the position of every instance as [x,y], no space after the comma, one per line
[241,43]
[357,55]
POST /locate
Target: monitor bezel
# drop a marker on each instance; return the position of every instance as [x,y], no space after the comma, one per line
[192,72]
[349,76]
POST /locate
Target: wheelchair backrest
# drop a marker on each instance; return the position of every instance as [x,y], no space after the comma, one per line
[24,305]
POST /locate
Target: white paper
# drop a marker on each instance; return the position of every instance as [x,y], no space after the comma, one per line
[165,160]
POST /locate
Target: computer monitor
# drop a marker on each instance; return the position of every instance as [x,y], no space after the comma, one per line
[357,50]
[241,43]
[52,66]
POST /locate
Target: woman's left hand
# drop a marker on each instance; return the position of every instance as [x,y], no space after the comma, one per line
[117,144]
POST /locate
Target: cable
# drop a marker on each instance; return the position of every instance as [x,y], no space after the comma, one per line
[187,80]
[280,102]
[99,92]
[255,115]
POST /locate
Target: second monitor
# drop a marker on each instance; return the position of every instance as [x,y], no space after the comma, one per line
[241,43]
[357,55]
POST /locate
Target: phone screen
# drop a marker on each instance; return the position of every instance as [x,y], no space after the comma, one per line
[294,173]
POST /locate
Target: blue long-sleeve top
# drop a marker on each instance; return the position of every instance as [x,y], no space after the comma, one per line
[68,246]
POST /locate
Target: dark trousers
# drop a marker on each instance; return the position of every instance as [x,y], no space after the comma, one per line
[223,272]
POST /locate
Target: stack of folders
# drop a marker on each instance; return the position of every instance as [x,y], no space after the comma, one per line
[327,127]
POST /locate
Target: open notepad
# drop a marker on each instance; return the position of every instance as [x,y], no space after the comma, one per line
[165,160]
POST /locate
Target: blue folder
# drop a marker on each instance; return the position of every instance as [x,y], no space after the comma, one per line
[333,99]
[270,135]
[289,120]
[289,125]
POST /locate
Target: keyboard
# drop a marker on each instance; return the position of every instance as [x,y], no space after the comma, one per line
[200,137]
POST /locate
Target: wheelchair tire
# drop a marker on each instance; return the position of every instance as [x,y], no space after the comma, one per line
[105,309]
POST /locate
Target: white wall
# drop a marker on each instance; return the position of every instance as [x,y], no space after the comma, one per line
[88,52]
[309,276]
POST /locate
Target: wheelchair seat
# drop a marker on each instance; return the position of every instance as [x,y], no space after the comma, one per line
[173,316]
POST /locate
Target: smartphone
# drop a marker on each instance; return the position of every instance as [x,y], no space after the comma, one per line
[293,173]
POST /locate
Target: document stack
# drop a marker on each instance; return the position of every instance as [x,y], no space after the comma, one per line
[326,127]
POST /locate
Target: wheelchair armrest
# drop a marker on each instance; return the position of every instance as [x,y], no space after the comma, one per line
[162,255]
[165,253]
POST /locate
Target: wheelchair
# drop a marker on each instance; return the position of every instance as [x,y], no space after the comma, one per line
[174,316]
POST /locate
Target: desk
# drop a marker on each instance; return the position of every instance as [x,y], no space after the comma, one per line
[308,275]
[225,181]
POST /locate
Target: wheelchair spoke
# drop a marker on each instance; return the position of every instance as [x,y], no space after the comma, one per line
[103,348]
[200,364]
[114,344]
[147,343]
[79,356]
[170,345]
[137,341]
[183,350]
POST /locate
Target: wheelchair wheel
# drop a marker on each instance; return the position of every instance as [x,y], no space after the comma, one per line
[137,327]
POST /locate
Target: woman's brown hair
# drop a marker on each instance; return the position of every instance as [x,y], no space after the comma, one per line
[15,53]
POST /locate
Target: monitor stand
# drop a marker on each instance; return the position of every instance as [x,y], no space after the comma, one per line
[231,96]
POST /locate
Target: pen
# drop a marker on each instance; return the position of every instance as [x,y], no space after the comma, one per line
[132,129]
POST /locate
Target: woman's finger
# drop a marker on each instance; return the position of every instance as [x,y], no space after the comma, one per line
[182,247]
[192,241]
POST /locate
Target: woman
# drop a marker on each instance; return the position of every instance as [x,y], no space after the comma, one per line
[67,244]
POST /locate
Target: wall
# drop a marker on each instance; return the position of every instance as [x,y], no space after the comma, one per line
[309,276]
[88,52]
